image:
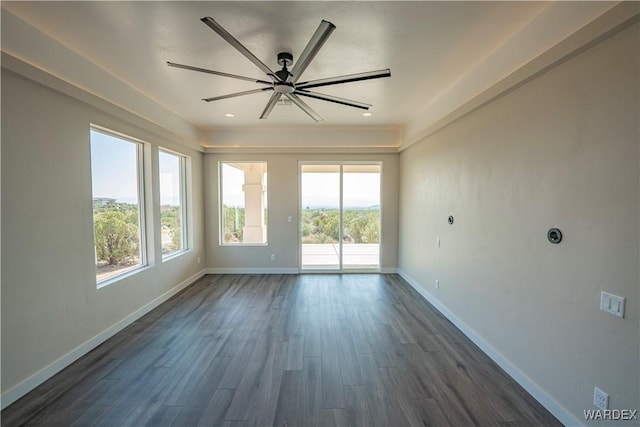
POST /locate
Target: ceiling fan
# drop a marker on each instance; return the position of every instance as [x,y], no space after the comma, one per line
[284,82]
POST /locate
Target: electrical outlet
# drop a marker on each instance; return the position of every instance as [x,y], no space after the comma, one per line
[273,257]
[198,260]
[437,284]
[600,398]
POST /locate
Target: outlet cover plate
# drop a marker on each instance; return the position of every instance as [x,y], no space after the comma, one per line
[600,398]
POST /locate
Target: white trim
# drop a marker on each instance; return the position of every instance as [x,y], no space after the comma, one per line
[343,271]
[553,406]
[221,241]
[391,149]
[388,270]
[182,179]
[340,222]
[251,271]
[142,181]
[122,275]
[44,374]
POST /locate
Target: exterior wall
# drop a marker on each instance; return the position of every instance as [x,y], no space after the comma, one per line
[51,309]
[282,193]
[560,151]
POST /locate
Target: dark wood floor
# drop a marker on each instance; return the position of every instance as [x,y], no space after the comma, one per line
[309,350]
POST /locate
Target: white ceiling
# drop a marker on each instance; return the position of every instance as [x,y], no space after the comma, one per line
[441,54]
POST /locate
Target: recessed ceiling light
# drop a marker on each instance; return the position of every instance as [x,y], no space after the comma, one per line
[229,115]
[367,114]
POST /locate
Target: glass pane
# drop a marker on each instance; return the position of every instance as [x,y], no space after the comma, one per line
[320,220]
[361,216]
[171,203]
[116,205]
[244,203]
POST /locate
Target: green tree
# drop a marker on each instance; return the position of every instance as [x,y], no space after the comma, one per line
[371,230]
[170,218]
[176,239]
[116,237]
[331,226]
[233,222]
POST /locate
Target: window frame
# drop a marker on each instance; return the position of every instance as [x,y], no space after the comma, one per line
[184,223]
[221,241]
[141,148]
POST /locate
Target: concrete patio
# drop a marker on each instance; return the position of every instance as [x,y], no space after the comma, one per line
[325,256]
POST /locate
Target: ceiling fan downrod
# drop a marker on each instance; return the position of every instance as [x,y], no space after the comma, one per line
[283,85]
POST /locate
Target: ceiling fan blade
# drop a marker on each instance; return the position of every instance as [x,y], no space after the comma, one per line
[304,107]
[217,73]
[312,48]
[239,46]
[332,98]
[272,103]
[233,95]
[345,79]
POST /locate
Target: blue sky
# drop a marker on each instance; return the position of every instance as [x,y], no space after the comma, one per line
[114,170]
[323,189]
[169,179]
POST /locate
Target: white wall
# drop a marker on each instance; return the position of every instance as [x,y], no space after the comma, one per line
[50,304]
[283,202]
[560,151]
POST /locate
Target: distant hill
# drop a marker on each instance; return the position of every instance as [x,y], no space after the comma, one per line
[364,208]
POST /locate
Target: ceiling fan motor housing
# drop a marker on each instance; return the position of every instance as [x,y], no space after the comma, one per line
[282,87]
[285,59]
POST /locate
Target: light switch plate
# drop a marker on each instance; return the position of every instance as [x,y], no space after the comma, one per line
[612,304]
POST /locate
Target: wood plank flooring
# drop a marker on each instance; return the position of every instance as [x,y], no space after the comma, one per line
[284,350]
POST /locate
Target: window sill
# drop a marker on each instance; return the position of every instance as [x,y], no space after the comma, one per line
[118,277]
[169,257]
[241,245]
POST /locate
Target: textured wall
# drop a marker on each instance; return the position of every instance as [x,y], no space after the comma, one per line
[50,304]
[560,151]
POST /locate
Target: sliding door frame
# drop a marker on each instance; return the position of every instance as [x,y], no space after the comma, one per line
[340,268]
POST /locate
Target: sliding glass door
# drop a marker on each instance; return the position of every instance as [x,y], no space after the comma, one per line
[320,216]
[339,216]
[360,216]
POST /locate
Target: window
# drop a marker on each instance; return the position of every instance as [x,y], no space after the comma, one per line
[243,203]
[118,208]
[172,202]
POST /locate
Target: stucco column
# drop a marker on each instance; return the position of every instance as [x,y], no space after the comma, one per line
[254,230]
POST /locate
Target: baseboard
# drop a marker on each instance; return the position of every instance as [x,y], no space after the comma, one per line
[385,270]
[558,411]
[44,374]
[251,271]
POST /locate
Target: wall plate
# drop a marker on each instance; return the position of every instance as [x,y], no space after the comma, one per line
[554,236]
[612,304]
